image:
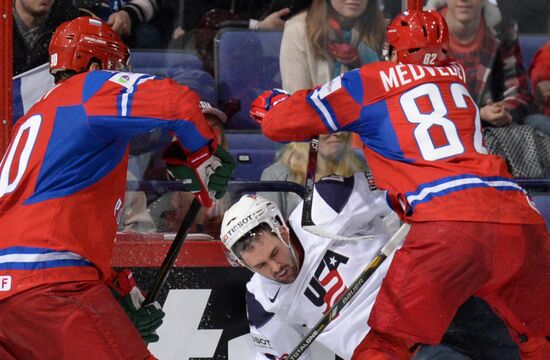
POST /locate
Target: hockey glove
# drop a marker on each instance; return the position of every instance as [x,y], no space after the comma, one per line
[204,173]
[265,102]
[146,319]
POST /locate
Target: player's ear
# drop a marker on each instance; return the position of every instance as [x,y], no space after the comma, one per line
[285,234]
[393,56]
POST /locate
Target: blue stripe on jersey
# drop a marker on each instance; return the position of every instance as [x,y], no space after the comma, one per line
[377,132]
[25,250]
[353,83]
[444,186]
[324,110]
[42,264]
[94,81]
[113,127]
[30,258]
[75,157]
[257,315]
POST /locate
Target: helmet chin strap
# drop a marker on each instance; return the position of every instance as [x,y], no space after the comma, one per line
[289,245]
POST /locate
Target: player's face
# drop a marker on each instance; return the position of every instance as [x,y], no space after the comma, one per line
[271,258]
[333,146]
[349,9]
[36,8]
[465,11]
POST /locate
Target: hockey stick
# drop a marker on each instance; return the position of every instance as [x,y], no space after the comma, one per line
[375,263]
[173,252]
[307,221]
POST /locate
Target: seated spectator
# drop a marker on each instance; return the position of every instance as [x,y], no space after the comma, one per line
[198,22]
[135,217]
[169,209]
[540,79]
[34,23]
[327,40]
[130,19]
[487,44]
[336,157]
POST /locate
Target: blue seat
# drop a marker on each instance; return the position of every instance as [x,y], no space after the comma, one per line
[543,205]
[529,44]
[160,62]
[253,152]
[246,64]
[184,67]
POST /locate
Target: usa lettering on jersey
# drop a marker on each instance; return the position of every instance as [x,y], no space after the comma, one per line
[327,285]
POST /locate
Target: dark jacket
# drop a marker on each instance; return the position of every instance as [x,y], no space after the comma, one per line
[24,58]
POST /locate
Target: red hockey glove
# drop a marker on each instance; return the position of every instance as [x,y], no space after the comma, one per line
[265,102]
[205,172]
[146,319]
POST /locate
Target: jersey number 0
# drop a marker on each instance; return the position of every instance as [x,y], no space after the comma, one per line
[31,125]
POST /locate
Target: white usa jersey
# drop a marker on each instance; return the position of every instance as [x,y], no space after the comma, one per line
[280,315]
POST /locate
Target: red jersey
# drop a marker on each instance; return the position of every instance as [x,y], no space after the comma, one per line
[63,176]
[540,70]
[422,140]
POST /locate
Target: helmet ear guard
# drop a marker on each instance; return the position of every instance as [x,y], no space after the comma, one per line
[81,41]
[419,37]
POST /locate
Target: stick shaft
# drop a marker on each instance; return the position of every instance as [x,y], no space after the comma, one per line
[173,252]
[310,182]
[375,263]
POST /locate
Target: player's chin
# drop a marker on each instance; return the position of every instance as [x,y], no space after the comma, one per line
[287,276]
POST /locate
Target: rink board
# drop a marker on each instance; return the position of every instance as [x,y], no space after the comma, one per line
[203,298]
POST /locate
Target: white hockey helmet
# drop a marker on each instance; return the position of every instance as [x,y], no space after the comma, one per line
[247,213]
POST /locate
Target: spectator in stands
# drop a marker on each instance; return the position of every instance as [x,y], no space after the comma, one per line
[199,21]
[327,40]
[336,157]
[487,45]
[34,23]
[260,15]
[169,209]
[135,217]
[540,79]
[130,19]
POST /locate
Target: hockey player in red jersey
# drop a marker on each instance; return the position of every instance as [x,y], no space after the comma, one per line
[474,231]
[62,182]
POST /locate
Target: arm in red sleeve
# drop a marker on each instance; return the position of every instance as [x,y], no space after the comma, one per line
[132,104]
[308,113]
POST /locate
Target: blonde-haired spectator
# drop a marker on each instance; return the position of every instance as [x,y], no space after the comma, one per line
[336,157]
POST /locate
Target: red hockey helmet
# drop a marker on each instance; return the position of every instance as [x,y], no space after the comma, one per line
[77,42]
[419,37]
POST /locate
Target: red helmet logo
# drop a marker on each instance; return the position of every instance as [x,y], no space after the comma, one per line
[77,42]
[419,37]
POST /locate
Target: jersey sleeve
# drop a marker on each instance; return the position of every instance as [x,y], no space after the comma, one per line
[307,113]
[127,104]
[272,337]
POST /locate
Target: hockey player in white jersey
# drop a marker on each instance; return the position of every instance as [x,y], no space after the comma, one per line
[298,275]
